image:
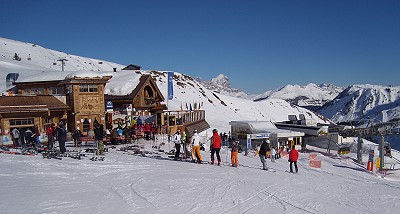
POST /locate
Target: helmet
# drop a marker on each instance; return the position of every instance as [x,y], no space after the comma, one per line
[215,130]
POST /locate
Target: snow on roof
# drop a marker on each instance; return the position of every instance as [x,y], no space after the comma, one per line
[83,74]
[122,82]
[40,76]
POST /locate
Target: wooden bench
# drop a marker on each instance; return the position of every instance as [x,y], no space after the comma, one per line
[86,140]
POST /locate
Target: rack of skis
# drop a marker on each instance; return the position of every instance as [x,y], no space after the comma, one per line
[54,153]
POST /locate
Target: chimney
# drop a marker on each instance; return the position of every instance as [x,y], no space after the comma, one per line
[115,69]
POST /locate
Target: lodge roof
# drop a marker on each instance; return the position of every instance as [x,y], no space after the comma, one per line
[39,102]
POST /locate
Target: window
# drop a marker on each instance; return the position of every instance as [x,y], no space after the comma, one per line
[56,90]
[88,88]
[21,122]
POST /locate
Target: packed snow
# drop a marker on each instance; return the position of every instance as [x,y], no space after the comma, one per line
[128,183]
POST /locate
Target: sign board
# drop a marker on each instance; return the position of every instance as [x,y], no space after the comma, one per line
[261,136]
[248,142]
[371,155]
[109,105]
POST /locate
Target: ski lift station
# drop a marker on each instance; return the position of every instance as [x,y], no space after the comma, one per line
[252,133]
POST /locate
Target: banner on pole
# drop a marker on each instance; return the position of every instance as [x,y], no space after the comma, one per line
[170,85]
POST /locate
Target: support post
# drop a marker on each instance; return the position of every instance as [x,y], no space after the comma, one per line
[359,147]
[381,155]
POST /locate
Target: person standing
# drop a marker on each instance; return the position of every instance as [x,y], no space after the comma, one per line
[177,140]
[196,146]
[263,154]
[235,154]
[293,156]
[37,135]
[215,146]
[62,137]
[50,132]
[273,154]
[98,137]
[16,136]
[76,136]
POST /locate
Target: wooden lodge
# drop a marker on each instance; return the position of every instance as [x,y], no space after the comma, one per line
[84,98]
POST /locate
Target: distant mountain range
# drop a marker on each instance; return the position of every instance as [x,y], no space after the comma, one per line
[354,103]
[364,102]
[340,104]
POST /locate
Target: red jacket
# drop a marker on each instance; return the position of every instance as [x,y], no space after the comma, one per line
[216,141]
[293,155]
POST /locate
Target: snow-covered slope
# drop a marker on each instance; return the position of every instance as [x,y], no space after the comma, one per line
[34,59]
[310,96]
[126,183]
[358,102]
[222,85]
[220,108]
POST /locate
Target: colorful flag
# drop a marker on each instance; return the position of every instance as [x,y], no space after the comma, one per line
[170,85]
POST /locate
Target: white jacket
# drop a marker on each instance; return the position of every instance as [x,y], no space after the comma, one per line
[273,151]
[177,138]
[196,139]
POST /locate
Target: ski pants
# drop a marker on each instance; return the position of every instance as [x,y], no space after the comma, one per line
[178,150]
[273,158]
[196,152]
[235,159]
[215,150]
[62,146]
[100,147]
[262,158]
[295,166]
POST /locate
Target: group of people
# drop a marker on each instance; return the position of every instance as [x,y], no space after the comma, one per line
[215,147]
[196,144]
[26,137]
[293,156]
[57,133]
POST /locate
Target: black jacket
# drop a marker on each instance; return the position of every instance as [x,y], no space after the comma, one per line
[263,148]
[99,133]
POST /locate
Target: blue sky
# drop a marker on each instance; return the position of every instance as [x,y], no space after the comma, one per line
[259,45]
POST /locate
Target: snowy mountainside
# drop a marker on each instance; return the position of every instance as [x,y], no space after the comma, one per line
[222,85]
[311,96]
[357,102]
[221,108]
[34,59]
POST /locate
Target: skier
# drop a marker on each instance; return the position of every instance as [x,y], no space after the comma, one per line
[234,154]
[263,154]
[62,137]
[76,136]
[293,156]
[177,140]
[16,134]
[215,146]
[196,146]
[183,140]
[273,154]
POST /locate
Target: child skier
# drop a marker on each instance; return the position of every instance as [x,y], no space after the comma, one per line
[234,154]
